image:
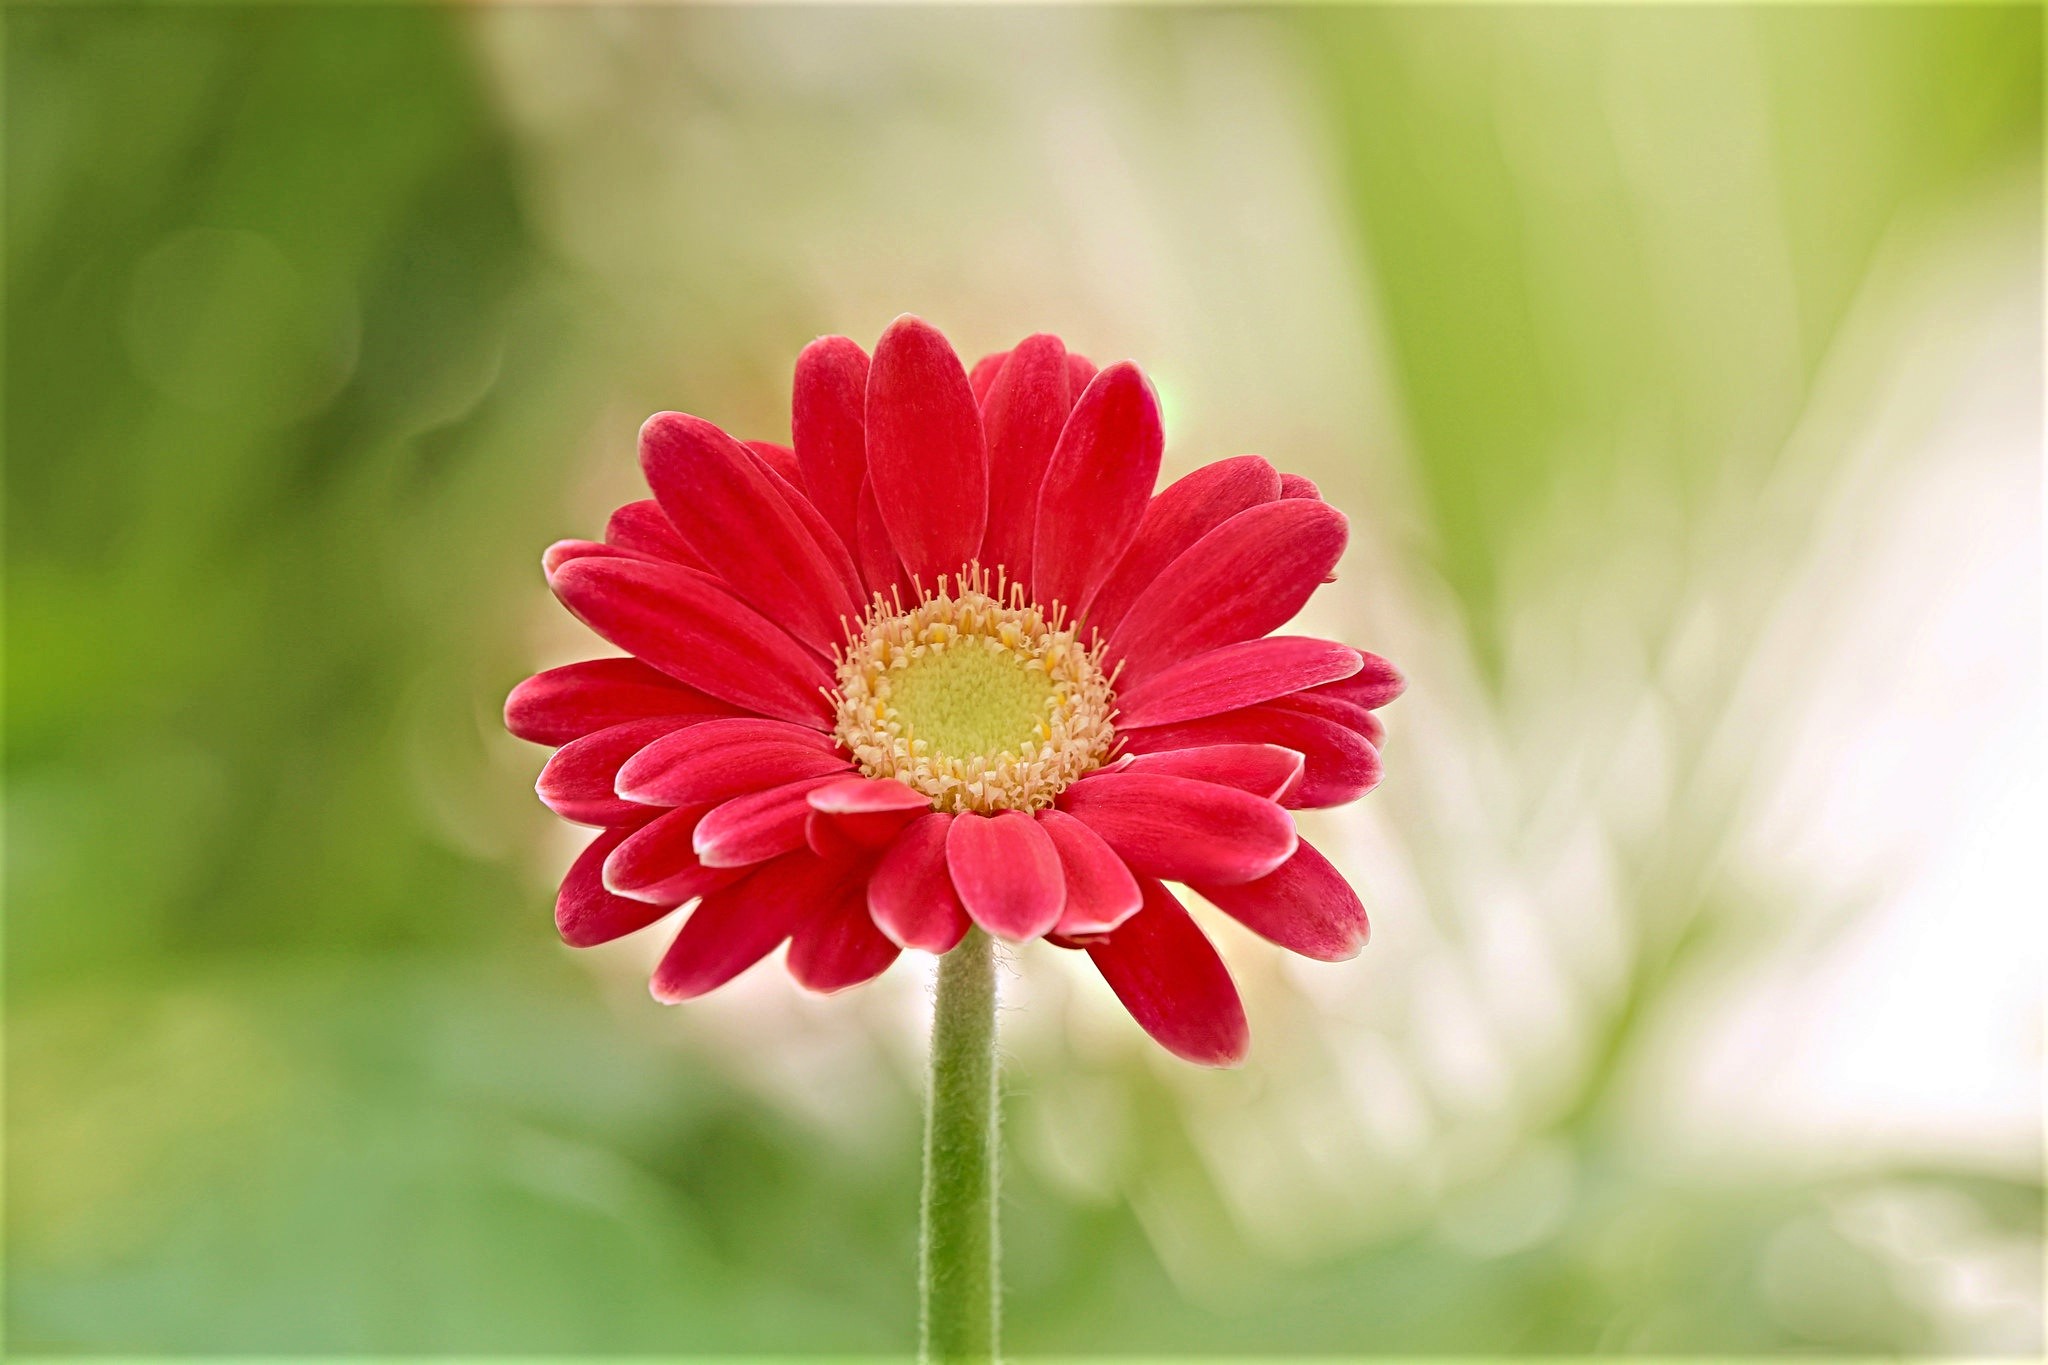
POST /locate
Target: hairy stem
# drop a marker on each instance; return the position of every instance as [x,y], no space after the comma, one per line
[958,1286]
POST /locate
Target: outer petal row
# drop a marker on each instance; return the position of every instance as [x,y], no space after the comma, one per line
[734,511]
[1247,577]
[1096,487]
[575,700]
[1180,828]
[1167,974]
[1341,764]
[927,460]
[1025,408]
[688,625]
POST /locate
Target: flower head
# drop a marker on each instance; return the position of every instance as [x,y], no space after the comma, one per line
[950,661]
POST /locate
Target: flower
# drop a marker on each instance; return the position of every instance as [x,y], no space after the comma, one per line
[950,661]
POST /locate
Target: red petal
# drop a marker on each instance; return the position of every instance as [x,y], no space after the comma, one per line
[659,863]
[828,424]
[840,946]
[982,377]
[1080,372]
[780,458]
[586,914]
[1179,828]
[562,551]
[1096,487]
[1376,683]
[756,827]
[1182,514]
[1101,892]
[835,551]
[1337,710]
[1295,486]
[579,699]
[1248,576]
[578,782]
[736,926]
[716,760]
[1341,765]
[643,527]
[1304,905]
[688,625]
[926,458]
[1234,676]
[828,837]
[880,569]
[1170,979]
[1264,770]
[867,796]
[865,813]
[911,893]
[1007,872]
[1022,413]
[732,510]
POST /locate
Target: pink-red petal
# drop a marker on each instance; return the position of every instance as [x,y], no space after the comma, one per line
[1182,513]
[1264,770]
[867,796]
[756,827]
[1080,372]
[736,926]
[1376,683]
[827,836]
[659,864]
[838,555]
[865,813]
[688,625]
[1182,829]
[982,377]
[910,893]
[579,699]
[737,514]
[644,528]
[1101,892]
[1167,974]
[1235,676]
[1247,577]
[880,569]
[1096,487]
[1022,413]
[1304,905]
[1296,486]
[578,781]
[1336,710]
[716,760]
[829,425]
[562,551]
[926,457]
[1007,872]
[1341,765]
[586,914]
[780,458]
[840,946]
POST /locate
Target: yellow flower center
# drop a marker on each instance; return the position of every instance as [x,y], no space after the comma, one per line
[978,700]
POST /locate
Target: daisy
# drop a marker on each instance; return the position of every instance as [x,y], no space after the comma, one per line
[949,662]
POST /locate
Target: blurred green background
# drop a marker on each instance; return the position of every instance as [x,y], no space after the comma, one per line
[1680,369]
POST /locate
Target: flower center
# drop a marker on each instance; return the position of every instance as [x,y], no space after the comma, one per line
[976,700]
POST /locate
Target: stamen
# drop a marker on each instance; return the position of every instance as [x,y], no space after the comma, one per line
[973,697]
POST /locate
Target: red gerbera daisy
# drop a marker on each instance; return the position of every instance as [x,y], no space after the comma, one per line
[948,662]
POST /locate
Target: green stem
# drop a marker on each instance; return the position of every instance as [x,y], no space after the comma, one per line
[957,1282]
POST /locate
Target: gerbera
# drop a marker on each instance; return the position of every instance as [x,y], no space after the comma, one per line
[950,662]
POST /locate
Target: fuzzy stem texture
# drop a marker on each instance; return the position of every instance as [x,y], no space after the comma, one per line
[959,1290]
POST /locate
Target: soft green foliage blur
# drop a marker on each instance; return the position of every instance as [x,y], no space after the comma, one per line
[322,321]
